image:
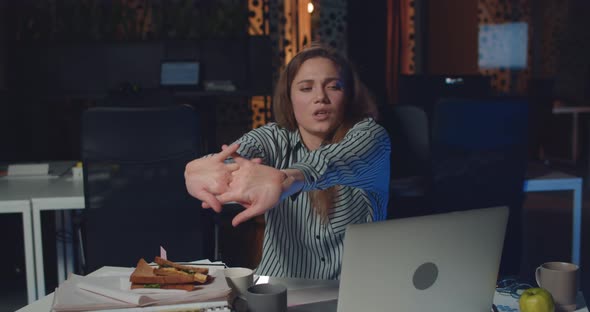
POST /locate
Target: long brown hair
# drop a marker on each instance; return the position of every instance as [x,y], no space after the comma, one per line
[358,104]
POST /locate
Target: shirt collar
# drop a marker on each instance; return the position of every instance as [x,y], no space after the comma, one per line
[295,138]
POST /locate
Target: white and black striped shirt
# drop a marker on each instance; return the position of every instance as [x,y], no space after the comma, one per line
[296,242]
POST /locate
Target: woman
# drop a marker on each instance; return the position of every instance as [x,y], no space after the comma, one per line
[323,165]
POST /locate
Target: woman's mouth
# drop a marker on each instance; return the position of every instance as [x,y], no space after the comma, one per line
[321,115]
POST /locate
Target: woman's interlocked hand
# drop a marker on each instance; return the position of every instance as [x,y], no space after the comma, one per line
[255,186]
[210,176]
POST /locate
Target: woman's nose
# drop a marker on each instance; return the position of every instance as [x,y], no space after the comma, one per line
[321,96]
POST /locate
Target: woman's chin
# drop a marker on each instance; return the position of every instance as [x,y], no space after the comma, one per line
[323,131]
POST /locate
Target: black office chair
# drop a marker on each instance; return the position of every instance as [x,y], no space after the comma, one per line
[479,157]
[135,195]
[410,162]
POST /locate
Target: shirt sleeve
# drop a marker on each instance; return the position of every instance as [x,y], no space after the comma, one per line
[360,160]
[261,143]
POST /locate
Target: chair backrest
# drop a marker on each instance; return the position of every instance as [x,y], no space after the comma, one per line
[410,162]
[479,157]
[136,200]
[479,152]
[410,141]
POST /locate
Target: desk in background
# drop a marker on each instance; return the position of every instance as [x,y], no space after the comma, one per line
[10,205]
[58,195]
[575,111]
[29,196]
[559,181]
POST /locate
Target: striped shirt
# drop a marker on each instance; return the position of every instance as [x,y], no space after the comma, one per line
[296,241]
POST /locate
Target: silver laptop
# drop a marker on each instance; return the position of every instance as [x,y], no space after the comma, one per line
[443,263]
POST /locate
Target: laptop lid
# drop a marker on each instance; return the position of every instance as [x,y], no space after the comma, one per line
[445,262]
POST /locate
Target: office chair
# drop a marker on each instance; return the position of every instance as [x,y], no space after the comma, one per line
[479,159]
[410,162]
[135,195]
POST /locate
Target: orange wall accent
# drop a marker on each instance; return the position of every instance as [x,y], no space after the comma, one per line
[452,37]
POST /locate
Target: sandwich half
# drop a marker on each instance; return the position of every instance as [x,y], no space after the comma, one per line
[169,268]
[144,276]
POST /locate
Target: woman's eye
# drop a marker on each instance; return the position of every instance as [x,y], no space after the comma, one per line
[334,87]
[305,89]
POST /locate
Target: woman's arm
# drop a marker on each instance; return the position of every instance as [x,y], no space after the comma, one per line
[360,160]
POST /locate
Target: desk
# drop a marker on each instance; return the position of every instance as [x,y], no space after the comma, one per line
[8,205]
[575,111]
[295,285]
[15,196]
[57,194]
[559,181]
[29,196]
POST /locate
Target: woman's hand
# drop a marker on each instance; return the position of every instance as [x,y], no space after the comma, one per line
[207,177]
[257,187]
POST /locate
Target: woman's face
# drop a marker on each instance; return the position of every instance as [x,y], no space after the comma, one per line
[317,95]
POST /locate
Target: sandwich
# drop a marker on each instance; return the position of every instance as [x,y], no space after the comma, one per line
[169,268]
[168,275]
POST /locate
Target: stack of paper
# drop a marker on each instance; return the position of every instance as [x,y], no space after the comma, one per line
[112,291]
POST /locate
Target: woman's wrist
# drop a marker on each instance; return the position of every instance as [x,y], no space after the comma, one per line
[292,182]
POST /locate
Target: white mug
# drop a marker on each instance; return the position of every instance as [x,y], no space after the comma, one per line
[560,279]
[239,279]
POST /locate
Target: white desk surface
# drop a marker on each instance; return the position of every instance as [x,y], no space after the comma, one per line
[570,109]
[44,304]
[27,188]
[61,193]
[21,188]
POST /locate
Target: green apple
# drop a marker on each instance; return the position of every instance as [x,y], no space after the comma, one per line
[536,300]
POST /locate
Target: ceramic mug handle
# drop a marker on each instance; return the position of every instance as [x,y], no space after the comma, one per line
[537,275]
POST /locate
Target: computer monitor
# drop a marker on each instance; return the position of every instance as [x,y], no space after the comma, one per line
[184,73]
